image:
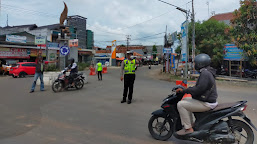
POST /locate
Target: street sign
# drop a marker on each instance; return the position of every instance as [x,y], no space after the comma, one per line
[39,40]
[167,50]
[64,50]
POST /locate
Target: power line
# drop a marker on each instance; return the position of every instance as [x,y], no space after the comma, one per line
[30,11]
[148,36]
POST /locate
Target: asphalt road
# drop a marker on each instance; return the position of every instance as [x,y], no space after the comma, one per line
[93,115]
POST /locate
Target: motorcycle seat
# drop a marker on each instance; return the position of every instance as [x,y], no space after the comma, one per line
[80,73]
[226,105]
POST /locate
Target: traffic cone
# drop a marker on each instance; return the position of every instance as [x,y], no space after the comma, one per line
[92,71]
[104,69]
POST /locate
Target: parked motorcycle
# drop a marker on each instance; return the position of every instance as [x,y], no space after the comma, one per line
[248,73]
[62,82]
[215,126]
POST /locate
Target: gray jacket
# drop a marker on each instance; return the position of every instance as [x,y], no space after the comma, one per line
[205,89]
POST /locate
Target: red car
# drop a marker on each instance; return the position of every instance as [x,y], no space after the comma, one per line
[22,69]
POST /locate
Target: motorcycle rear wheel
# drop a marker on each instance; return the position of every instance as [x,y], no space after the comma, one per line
[242,132]
[156,130]
[57,86]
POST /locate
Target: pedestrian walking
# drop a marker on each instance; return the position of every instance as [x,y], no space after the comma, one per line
[40,66]
[128,66]
[99,69]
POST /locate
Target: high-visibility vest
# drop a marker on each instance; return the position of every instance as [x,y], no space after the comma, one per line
[99,66]
[129,66]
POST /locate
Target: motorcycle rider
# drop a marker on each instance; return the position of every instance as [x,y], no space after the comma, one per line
[73,69]
[204,94]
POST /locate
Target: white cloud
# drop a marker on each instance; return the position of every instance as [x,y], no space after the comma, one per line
[108,17]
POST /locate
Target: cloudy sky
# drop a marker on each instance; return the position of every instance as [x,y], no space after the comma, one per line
[144,20]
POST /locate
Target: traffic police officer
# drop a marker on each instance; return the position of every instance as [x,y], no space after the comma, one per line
[99,68]
[128,66]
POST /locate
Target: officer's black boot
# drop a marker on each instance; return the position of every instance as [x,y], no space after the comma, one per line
[129,101]
[123,100]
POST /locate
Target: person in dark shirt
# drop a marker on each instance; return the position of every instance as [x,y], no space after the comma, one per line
[73,68]
[40,65]
[204,94]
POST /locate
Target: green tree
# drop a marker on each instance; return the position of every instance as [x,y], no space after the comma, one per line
[210,38]
[244,31]
[154,51]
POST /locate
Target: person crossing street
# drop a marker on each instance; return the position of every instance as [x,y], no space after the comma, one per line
[128,66]
[99,68]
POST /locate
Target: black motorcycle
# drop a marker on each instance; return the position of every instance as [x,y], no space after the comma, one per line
[62,82]
[250,73]
[215,126]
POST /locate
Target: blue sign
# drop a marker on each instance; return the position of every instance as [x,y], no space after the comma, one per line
[167,50]
[232,52]
[184,42]
[64,50]
[54,46]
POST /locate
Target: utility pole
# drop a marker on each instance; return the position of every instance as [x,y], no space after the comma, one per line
[128,38]
[187,44]
[164,55]
[7,21]
[208,9]
[193,37]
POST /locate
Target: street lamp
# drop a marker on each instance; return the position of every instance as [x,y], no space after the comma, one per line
[187,50]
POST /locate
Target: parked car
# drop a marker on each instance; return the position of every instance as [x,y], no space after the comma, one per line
[12,68]
[24,68]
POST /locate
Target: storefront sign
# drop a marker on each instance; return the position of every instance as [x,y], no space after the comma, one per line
[16,39]
[73,43]
[34,52]
[39,40]
[52,56]
[13,53]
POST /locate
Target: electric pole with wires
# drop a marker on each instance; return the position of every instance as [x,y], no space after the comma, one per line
[193,36]
[128,39]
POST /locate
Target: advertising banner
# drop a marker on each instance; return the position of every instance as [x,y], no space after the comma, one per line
[16,39]
[73,43]
[172,61]
[184,41]
[113,49]
[232,52]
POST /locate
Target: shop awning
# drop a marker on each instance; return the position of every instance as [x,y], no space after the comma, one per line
[120,58]
[137,54]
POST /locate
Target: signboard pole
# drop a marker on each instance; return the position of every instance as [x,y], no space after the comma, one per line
[229,67]
[47,57]
[240,68]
